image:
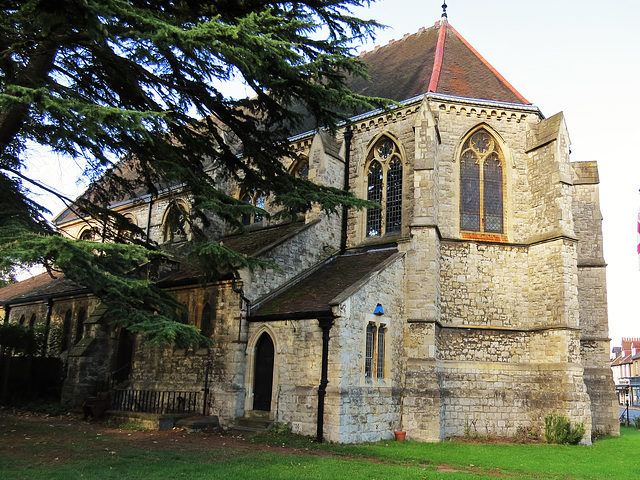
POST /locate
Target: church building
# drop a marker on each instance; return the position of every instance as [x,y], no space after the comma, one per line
[475,295]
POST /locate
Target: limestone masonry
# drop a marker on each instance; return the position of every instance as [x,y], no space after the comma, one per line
[475,297]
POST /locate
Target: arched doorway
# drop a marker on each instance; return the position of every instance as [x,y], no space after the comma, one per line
[263,378]
[124,355]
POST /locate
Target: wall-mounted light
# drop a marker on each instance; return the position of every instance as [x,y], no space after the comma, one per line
[379,310]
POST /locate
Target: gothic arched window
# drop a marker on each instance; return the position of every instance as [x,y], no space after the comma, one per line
[257,200]
[176,225]
[384,186]
[301,169]
[89,234]
[481,184]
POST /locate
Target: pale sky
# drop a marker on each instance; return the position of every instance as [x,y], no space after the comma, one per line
[578,57]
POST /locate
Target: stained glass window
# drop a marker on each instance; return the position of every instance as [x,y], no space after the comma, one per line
[481,185]
[384,186]
[493,194]
[374,194]
[394,196]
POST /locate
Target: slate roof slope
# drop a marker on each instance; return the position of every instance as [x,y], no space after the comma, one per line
[314,293]
[436,59]
[39,286]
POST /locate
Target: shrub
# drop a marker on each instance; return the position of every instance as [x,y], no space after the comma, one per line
[558,429]
[636,422]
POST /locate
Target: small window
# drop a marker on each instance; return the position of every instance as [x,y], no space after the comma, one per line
[369,349]
[301,169]
[82,315]
[384,187]
[22,320]
[380,353]
[375,357]
[257,200]
[32,321]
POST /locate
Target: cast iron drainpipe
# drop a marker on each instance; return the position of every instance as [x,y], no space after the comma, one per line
[348,135]
[325,324]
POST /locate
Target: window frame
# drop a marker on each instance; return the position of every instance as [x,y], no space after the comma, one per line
[386,152]
[469,152]
[174,237]
[375,352]
[257,199]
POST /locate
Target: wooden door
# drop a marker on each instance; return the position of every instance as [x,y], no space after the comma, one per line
[263,378]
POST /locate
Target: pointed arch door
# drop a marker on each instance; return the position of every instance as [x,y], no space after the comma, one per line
[263,378]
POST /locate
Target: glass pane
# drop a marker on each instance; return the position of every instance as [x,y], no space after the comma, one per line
[394,197]
[374,194]
[368,356]
[385,148]
[380,360]
[257,218]
[493,194]
[469,192]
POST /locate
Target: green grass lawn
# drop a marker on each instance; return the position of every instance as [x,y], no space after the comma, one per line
[67,448]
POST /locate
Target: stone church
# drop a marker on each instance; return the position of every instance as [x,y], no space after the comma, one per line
[475,296]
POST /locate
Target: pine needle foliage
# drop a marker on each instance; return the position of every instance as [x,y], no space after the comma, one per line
[143,82]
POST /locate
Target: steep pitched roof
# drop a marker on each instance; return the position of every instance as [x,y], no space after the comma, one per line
[436,59]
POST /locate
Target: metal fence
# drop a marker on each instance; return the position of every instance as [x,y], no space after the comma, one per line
[156,401]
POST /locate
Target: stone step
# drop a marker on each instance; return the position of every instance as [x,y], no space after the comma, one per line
[198,424]
[245,432]
[254,423]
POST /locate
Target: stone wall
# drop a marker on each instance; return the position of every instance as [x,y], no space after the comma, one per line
[184,369]
[360,409]
[494,381]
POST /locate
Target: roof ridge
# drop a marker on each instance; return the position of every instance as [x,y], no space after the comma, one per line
[437,62]
[489,66]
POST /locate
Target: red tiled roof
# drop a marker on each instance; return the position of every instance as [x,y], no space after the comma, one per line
[436,59]
[314,293]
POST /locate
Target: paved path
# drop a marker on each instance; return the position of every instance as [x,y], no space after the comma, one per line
[633,413]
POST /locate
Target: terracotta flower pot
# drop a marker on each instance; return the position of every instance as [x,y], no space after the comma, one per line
[400,435]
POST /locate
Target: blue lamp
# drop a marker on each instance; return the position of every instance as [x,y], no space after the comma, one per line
[379,310]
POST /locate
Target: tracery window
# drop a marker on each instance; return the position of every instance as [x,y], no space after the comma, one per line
[176,225]
[481,184]
[257,200]
[384,186]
